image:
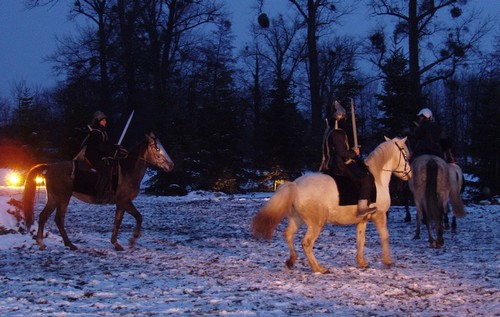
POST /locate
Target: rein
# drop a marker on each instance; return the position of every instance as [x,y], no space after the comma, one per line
[405,158]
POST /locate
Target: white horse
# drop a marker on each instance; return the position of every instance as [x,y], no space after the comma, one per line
[313,199]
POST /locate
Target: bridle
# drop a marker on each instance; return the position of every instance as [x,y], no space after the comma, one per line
[156,154]
[402,157]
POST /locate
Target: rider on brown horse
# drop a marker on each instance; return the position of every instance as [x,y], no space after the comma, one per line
[101,153]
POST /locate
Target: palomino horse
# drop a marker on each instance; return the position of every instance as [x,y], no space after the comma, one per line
[60,186]
[434,184]
[313,199]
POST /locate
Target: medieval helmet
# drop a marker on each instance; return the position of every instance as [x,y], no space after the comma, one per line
[425,112]
[340,112]
[98,116]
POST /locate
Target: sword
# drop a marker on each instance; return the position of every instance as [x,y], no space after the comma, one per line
[126,127]
[354,129]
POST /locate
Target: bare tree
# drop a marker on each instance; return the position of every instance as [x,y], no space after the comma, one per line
[317,15]
[437,46]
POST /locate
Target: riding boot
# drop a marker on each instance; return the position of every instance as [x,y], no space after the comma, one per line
[364,209]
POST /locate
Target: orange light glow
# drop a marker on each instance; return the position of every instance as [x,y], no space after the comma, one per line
[40,181]
[13,179]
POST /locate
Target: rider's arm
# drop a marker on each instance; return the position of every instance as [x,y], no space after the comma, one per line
[339,142]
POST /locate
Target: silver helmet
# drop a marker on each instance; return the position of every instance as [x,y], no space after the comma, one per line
[340,112]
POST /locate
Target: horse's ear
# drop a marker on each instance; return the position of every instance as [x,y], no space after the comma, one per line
[403,140]
[386,138]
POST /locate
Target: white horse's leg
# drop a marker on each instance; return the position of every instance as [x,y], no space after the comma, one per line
[360,239]
[312,234]
[289,234]
[381,225]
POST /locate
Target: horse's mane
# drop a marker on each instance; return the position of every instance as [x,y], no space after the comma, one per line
[134,154]
[376,157]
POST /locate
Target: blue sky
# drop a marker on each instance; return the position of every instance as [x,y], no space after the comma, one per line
[26,37]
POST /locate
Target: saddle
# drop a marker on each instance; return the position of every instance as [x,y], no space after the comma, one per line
[86,179]
[349,191]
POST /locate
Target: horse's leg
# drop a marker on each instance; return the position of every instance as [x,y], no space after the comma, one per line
[44,215]
[60,216]
[407,194]
[453,224]
[446,221]
[310,237]
[418,220]
[293,226]
[360,240]
[439,238]
[138,222]
[430,224]
[381,225]
[116,227]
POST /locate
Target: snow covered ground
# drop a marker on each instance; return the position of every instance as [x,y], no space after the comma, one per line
[196,257]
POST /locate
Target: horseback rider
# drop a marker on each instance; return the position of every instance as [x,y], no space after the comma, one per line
[101,153]
[341,160]
[430,138]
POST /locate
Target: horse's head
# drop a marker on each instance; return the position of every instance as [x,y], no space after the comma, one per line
[400,165]
[156,154]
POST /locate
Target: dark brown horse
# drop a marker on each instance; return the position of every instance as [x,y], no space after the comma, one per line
[65,179]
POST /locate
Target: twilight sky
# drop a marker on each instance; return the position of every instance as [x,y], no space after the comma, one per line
[26,37]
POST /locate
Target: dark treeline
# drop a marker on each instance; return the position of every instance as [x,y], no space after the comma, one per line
[237,118]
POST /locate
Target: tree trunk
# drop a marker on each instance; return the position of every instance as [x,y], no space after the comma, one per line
[415,89]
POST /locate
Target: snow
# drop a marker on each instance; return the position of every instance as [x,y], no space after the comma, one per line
[196,256]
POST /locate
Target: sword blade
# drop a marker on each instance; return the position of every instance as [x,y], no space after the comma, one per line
[126,127]
[354,128]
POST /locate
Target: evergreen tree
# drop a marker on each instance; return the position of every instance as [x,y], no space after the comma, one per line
[393,120]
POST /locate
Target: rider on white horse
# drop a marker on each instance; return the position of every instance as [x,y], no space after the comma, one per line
[341,160]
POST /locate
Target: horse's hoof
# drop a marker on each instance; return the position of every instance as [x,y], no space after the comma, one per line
[131,243]
[289,264]
[446,226]
[73,247]
[416,237]
[42,247]
[118,247]
[363,264]
[322,270]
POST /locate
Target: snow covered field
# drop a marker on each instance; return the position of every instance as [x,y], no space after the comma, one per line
[196,257]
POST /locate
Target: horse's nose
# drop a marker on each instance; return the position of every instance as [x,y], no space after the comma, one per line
[168,166]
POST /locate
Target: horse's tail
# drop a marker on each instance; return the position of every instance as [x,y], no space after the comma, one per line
[456,181]
[29,193]
[431,190]
[273,212]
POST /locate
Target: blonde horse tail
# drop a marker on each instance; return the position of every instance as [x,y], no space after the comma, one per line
[273,212]
[29,193]
[456,187]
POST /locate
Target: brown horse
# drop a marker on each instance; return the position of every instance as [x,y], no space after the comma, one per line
[435,183]
[61,184]
[313,200]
